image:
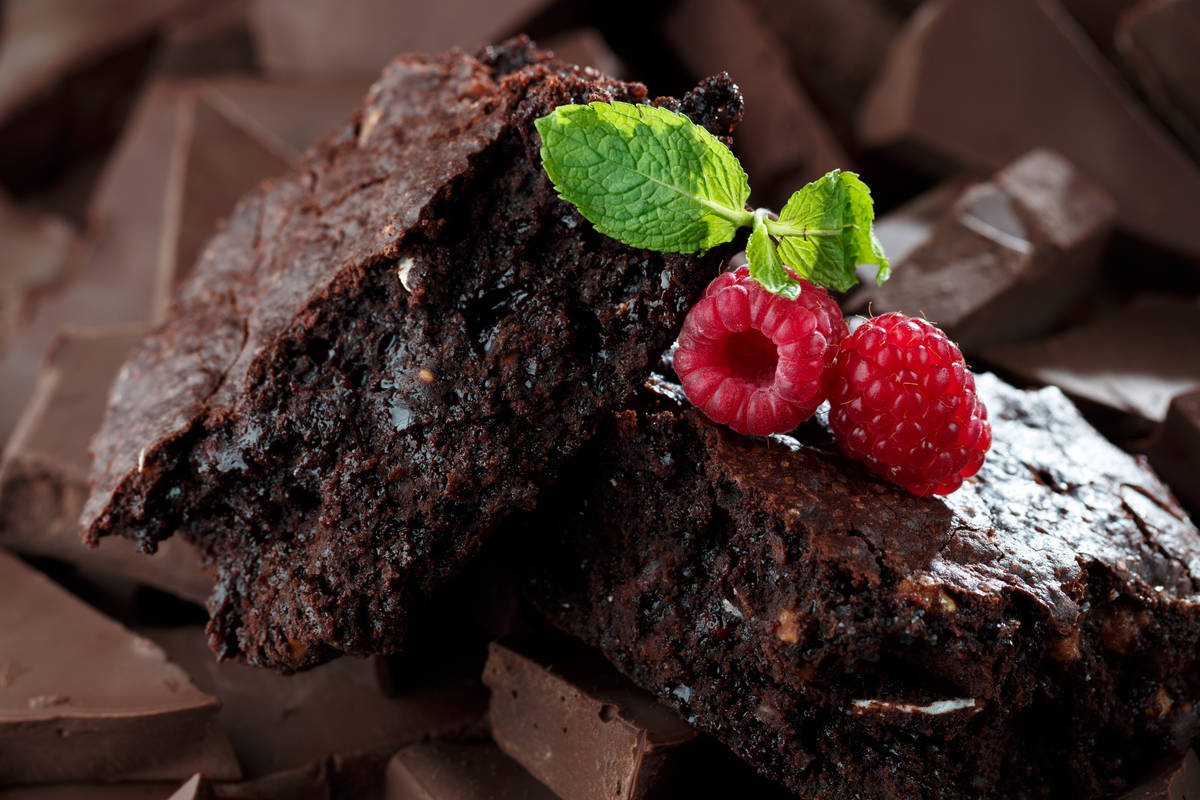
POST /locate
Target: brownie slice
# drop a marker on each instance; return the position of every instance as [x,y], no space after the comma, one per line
[384,354]
[1034,634]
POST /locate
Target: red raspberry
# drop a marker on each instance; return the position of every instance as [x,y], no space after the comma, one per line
[903,401]
[755,361]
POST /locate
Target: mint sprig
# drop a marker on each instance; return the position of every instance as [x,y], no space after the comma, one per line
[652,178]
[647,176]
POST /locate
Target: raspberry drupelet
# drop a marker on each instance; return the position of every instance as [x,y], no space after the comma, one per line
[755,361]
[903,402]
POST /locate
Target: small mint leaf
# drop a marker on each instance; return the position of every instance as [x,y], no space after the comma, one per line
[644,175]
[765,265]
[824,231]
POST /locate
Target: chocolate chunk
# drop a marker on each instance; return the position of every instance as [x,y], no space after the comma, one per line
[134,790]
[297,112]
[35,253]
[67,80]
[44,470]
[587,48]
[338,413]
[1039,627]
[81,698]
[1009,257]
[1176,450]
[329,38]
[279,722]
[209,38]
[196,787]
[966,83]
[220,155]
[577,725]
[114,279]
[903,229]
[1131,362]
[1157,40]
[443,771]
[1178,779]
[835,46]
[1098,18]
[785,143]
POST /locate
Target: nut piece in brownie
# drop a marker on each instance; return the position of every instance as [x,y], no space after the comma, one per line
[1037,628]
[384,354]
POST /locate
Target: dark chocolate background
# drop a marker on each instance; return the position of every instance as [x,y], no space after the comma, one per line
[128,129]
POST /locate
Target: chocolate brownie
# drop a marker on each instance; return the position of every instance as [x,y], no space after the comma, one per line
[1033,634]
[384,354]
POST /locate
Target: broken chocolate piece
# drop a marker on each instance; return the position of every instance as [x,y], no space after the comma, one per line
[134,790]
[328,38]
[1176,450]
[296,112]
[1157,40]
[575,724]
[338,412]
[785,143]
[1130,362]
[283,722]
[44,469]
[219,156]
[68,76]
[35,252]
[113,280]
[1038,627]
[965,83]
[1008,259]
[835,46]
[81,698]
[196,787]
[445,771]
[1178,779]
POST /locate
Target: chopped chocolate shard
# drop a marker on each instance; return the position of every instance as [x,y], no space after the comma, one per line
[328,37]
[1039,627]
[68,75]
[1178,779]
[35,252]
[81,698]
[297,112]
[1157,40]
[578,726]
[282,722]
[338,412]
[785,143]
[966,84]
[1131,362]
[134,790]
[1176,450]
[219,156]
[835,46]
[44,469]
[196,787]
[113,279]
[903,229]
[1007,259]
[444,771]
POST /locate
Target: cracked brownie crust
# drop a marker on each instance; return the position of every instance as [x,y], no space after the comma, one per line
[1034,634]
[385,353]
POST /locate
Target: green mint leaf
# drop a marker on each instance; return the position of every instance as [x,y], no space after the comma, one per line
[765,265]
[824,231]
[646,176]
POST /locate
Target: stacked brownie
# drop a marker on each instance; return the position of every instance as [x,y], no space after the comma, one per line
[405,391]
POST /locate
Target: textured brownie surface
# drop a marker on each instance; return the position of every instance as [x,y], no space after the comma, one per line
[1036,632]
[384,354]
